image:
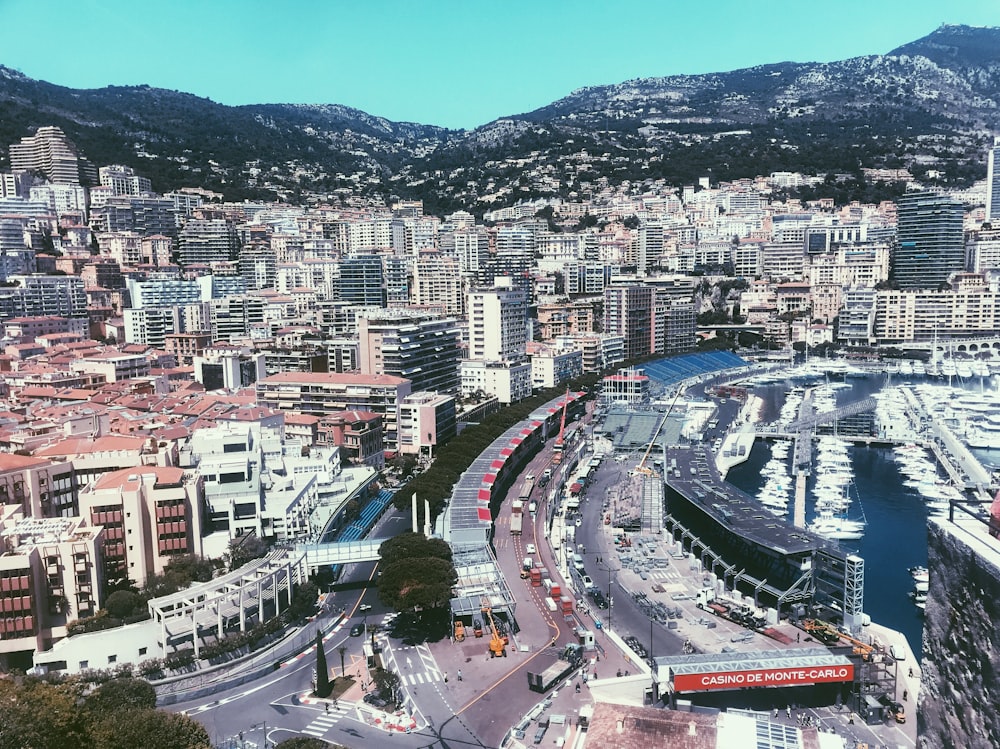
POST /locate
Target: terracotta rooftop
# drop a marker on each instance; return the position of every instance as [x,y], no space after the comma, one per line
[629,727]
[165,475]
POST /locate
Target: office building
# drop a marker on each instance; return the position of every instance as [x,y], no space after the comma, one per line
[929,241]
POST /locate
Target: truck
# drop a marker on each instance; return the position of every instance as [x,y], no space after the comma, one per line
[570,658]
[516,517]
[893,708]
[708,602]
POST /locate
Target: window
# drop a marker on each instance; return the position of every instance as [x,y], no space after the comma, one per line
[142,651]
[112,659]
[84,664]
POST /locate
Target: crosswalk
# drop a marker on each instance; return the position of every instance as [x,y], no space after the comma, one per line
[664,574]
[325,721]
[415,665]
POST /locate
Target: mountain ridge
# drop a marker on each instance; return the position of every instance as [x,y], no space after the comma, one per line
[930,106]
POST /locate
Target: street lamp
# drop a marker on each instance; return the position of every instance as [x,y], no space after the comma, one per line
[607,567]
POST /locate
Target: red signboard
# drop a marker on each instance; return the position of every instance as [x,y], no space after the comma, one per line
[767,677]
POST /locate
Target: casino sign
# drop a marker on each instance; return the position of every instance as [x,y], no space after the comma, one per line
[791,668]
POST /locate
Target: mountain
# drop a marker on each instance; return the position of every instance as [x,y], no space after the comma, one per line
[930,106]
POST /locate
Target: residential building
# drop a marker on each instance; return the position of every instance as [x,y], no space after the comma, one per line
[361,281]
[123,180]
[993,185]
[930,240]
[52,154]
[420,348]
[628,312]
[565,318]
[426,420]
[326,393]
[437,280]
[41,488]
[358,434]
[51,572]
[227,369]
[509,381]
[150,514]
[205,241]
[550,367]
[498,324]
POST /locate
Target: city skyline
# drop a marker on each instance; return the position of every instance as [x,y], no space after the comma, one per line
[441,65]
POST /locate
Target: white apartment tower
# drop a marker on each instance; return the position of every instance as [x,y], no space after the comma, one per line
[498,323]
[993,184]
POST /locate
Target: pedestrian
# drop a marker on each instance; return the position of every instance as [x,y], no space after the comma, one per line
[911,672]
[326,707]
[798,637]
[904,695]
[445,677]
[851,721]
[459,674]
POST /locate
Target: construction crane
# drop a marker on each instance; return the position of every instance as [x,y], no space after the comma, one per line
[557,448]
[642,467]
[498,647]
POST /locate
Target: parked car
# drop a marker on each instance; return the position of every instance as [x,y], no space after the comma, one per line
[357,630]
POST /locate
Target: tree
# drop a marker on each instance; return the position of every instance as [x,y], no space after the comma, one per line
[323,685]
[304,600]
[118,695]
[386,683]
[244,549]
[123,603]
[36,714]
[150,729]
[424,582]
[410,545]
[303,742]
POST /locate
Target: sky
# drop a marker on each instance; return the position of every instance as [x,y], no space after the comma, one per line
[441,62]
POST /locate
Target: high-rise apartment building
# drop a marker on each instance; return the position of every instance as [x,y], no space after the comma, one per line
[51,153]
[628,312]
[204,241]
[420,348]
[993,185]
[361,281]
[929,240]
[437,281]
[498,324]
[123,180]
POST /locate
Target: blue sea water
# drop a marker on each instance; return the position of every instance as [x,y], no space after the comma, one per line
[896,536]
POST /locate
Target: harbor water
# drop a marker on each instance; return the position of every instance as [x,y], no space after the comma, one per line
[896,535]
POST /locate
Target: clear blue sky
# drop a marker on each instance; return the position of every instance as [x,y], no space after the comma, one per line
[441,62]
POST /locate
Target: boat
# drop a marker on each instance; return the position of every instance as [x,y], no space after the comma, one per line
[919,573]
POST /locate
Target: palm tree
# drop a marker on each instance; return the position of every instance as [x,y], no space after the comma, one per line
[342,649]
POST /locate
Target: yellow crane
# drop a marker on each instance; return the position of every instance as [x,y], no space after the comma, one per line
[642,467]
[498,647]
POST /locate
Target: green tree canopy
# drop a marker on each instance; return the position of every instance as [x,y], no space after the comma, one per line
[123,603]
[120,694]
[244,549]
[150,729]
[410,545]
[386,683]
[424,582]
